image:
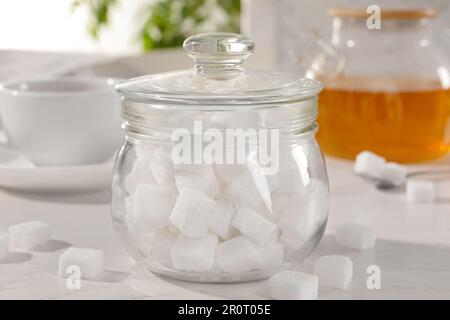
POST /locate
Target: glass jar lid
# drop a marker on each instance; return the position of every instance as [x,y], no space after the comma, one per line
[218,79]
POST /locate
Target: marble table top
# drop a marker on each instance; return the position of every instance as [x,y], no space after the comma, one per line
[412,250]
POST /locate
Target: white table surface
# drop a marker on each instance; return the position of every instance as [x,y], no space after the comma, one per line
[412,250]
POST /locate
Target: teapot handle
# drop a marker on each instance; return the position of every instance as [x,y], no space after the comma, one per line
[320,60]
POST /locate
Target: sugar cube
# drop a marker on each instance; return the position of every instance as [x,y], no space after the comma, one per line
[158,246]
[419,191]
[251,189]
[201,178]
[254,225]
[393,172]
[355,236]
[162,167]
[140,173]
[293,173]
[28,235]
[226,172]
[292,248]
[152,205]
[299,218]
[280,201]
[194,254]
[4,243]
[369,164]
[334,271]
[273,254]
[193,213]
[89,262]
[293,285]
[239,254]
[221,222]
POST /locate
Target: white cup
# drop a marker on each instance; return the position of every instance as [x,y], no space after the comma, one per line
[62,121]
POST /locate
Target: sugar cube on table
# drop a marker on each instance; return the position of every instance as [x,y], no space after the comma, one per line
[151,205]
[254,225]
[239,254]
[162,167]
[89,262]
[394,172]
[355,236]
[223,214]
[199,177]
[28,235]
[194,254]
[293,285]
[334,271]
[369,164]
[419,191]
[4,243]
[193,213]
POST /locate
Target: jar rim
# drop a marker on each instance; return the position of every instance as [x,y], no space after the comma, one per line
[151,89]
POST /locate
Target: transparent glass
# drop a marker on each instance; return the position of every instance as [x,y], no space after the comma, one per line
[225,184]
[389,92]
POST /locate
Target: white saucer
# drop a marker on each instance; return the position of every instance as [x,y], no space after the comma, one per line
[18,173]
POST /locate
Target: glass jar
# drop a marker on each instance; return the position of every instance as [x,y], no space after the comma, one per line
[389,93]
[220,178]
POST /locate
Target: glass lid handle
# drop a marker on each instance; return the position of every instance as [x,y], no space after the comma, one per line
[218,55]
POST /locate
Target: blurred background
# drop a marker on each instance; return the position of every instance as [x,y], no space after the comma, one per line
[126,27]
[124,39]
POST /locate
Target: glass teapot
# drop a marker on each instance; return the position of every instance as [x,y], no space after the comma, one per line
[385,90]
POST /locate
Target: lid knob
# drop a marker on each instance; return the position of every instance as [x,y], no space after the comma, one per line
[219,55]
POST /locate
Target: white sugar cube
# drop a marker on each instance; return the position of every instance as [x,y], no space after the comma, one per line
[254,225]
[293,285]
[4,243]
[355,236]
[226,172]
[394,172]
[299,219]
[419,191]
[369,164]
[334,271]
[89,262]
[238,255]
[28,235]
[162,167]
[140,173]
[193,213]
[251,189]
[201,178]
[158,246]
[152,206]
[280,202]
[194,254]
[293,173]
[273,254]
[221,223]
[292,248]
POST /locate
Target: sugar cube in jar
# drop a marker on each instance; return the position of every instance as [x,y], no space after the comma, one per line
[228,183]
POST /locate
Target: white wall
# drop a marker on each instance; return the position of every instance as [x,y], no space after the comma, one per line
[51,25]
